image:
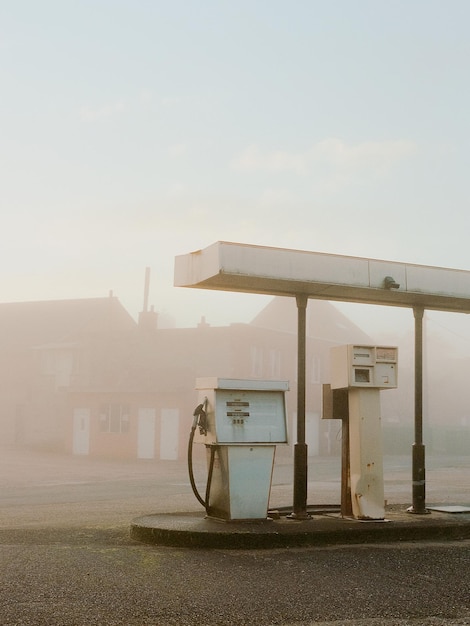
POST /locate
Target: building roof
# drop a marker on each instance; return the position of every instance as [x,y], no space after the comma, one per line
[324,321]
[60,321]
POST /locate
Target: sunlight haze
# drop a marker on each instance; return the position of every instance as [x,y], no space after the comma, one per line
[133,132]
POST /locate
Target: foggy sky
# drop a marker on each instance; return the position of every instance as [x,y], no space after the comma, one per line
[135,132]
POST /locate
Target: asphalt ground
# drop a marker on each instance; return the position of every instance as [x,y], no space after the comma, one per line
[68,557]
[36,486]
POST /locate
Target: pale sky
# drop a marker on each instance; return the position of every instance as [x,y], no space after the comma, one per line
[133,131]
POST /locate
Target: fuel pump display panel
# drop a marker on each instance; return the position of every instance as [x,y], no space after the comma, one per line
[364,366]
[250,416]
[247,415]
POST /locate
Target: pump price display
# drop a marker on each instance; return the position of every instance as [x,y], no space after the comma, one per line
[362,355]
[236,412]
[235,408]
[250,416]
[386,354]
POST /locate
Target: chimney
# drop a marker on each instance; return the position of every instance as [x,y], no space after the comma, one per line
[203,323]
[147,319]
[146,289]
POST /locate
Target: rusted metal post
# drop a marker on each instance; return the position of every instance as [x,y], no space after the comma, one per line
[300,448]
[418,455]
[346,503]
[335,405]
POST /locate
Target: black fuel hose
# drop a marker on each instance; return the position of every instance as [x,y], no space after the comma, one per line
[200,419]
[190,468]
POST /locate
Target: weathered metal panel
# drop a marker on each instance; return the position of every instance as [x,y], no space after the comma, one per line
[279,271]
[243,411]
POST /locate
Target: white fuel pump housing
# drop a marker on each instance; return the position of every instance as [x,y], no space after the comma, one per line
[364,371]
[244,420]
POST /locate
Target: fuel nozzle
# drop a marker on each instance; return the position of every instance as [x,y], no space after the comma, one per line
[200,418]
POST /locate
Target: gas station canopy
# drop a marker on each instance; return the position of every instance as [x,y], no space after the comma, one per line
[248,268]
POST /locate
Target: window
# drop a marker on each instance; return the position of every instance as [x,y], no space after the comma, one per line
[60,364]
[114,418]
[275,363]
[315,369]
[256,361]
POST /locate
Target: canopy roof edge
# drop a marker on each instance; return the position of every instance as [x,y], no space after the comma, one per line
[228,266]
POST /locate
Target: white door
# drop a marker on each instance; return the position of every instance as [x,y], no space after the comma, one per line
[312,430]
[169,434]
[312,433]
[81,431]
[146,434]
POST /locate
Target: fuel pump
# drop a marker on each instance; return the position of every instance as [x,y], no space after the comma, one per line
[240,422]
[363,371]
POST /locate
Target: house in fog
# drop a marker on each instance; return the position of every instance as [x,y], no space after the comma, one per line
[145,409]
[83,376]
[46,347]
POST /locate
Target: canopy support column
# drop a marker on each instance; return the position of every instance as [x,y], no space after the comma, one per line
[418,451]
[300,448]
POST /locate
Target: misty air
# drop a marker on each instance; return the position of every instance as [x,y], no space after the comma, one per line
[234,332]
